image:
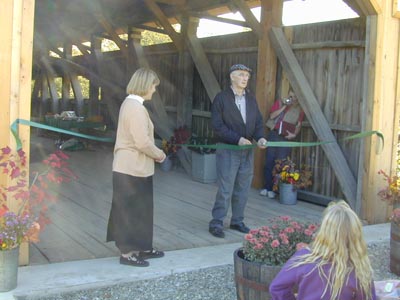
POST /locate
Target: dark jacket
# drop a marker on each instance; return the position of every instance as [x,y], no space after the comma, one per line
[227,121]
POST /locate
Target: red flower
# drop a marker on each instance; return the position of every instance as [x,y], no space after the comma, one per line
[279,240]
[275,243]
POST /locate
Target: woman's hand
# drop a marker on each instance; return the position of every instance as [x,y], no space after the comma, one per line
[161,158]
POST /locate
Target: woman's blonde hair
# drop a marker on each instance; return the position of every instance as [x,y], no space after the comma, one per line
[340,243]
[142,81]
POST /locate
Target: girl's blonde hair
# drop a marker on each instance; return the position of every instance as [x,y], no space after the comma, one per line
[340,243]
[142,81]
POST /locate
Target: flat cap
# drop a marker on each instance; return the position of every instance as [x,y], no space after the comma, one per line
[239,67]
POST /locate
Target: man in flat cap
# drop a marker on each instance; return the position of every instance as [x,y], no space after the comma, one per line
[236,120]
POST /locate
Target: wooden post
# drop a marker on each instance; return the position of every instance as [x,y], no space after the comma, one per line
[94,107]
[163,126]
[200,59]
[66,83]
[16,23]
[185,101]
[382,109]
[285,83]
[271,16]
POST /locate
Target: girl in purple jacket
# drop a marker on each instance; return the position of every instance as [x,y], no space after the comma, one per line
[336,266]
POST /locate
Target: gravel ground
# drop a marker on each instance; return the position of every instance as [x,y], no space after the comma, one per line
[208,284]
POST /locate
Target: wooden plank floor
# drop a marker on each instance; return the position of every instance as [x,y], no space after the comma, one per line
[182,209]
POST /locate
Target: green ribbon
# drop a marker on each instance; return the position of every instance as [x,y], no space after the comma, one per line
[14,130]
[285,144]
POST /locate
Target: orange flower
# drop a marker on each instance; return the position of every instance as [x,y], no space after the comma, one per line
[33,233]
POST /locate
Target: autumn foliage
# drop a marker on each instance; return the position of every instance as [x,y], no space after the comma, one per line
[29,198]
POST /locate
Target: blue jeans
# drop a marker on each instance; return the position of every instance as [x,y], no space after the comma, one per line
[235,173]
[272,154]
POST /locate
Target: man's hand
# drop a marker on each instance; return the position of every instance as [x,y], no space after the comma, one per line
[243,142]
[290,135]
[262,143]
[161,158]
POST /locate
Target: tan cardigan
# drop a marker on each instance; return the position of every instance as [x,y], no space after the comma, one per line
[134,150]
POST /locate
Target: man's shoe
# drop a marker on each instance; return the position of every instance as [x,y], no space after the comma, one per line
[271,194]
[217,232]
[153,253]
[240,227]
[263,192]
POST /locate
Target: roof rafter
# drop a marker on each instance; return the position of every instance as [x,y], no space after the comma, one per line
[251,20]
[113,34]
[219,19]
[176,38]
[172,2]
[364,7]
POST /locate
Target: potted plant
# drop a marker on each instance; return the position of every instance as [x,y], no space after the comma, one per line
[171,146]
[391,194]
[264,252]
[204,167]
[27,217]
[287,179]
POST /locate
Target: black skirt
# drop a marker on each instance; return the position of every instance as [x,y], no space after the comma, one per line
[131,218]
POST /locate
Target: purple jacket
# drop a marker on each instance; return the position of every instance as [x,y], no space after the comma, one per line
[311,286]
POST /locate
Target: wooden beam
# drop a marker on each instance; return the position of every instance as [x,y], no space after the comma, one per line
[66,84]
[396,8]
[314,114]
[16,23]
[163,126]
[285,84]
[50,75]
[186,67]
[71,80]
[172,2]
[113,34]
[271,15]
[365,7]
[101,80]
[151,28]
[76,87]
[199,57]
[46,46]
[382,111]
[155,9]
[85,50]
[329,44]
[45,95]
[248,16]
[219,19]
[53,92]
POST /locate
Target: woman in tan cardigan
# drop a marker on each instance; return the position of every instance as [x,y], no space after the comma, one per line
[131,218]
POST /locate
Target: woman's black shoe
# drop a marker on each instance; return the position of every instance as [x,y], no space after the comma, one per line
[153,253]
[133,260]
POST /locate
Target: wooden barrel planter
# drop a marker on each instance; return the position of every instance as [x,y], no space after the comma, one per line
[252,279]
[395,248]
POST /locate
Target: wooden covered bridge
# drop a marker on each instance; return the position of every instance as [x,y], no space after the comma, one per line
[345,73]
